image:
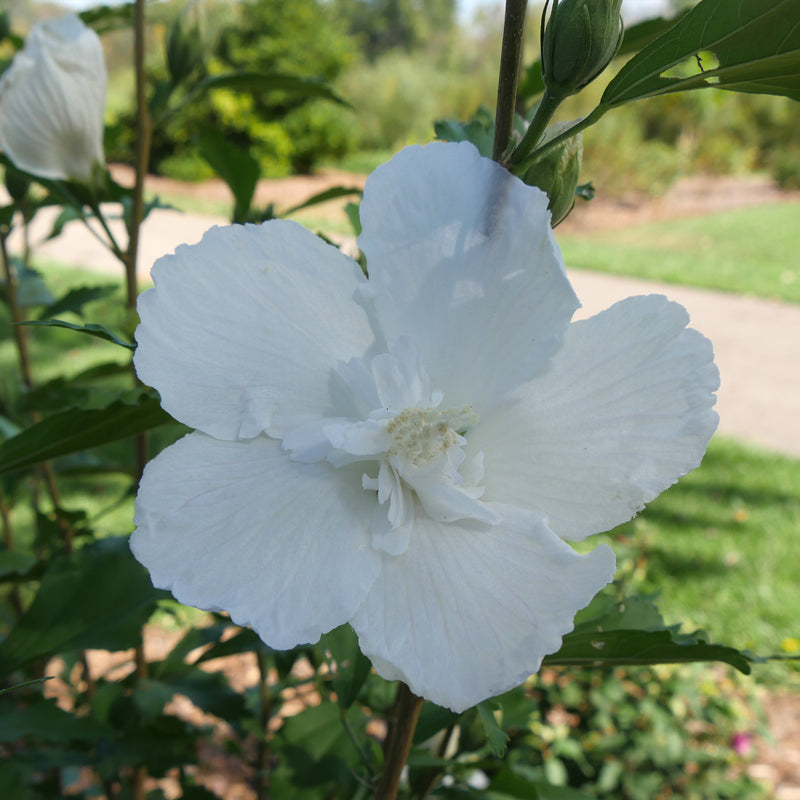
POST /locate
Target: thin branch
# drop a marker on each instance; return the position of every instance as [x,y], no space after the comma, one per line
[510,62]
[397,746]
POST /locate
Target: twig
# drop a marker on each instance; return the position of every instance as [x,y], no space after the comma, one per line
[402,725]
[510,61]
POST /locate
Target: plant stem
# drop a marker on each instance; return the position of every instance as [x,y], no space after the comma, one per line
[544,113]
[397,746]
[143,133]
[265,712]
[510,62]
[518,158]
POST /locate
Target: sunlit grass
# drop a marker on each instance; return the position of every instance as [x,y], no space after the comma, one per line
[751,251]
[720,547]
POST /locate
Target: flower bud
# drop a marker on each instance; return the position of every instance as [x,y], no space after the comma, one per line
[51,102]
[558,171]
[578,42]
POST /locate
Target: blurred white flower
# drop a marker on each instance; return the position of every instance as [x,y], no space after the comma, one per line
[51,102]
[408,453]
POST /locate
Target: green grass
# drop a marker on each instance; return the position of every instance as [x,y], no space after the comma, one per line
[720,546]
[752,251]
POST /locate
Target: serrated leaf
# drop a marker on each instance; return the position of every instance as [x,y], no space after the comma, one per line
[96,597]
[497,737]
[77,429]
[756,44]
[92,329]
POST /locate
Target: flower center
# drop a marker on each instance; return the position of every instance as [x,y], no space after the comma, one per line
[420,434]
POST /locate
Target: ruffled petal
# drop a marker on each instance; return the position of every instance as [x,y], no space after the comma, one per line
[624,411]
[243,330]
[282,546]
[469,611]
[462,260]
[52,99]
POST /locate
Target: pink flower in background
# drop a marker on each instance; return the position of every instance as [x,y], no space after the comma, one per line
[408,453]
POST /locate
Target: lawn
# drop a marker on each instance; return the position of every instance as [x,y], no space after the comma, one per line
[719,548]
[751,251]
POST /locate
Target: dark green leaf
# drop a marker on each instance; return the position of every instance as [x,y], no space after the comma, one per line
[235,166]
[630,647]
[614,633]
[67,214]
[75,299]
[46,721]
[96,597]
[755,43]
[14,563]
[498,738]
[334,193]
[26,683]
[246,641]
[77,429]
[211,692]
[92,329]
[350,666]
[175,662]
[271,82]
[432,719]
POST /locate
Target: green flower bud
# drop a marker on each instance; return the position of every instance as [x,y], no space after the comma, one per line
[557,172]
[578,42]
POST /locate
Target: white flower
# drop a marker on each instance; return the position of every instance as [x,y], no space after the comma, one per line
[51,102]
[408,453]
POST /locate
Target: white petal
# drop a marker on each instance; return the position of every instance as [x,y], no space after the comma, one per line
[468,612]
[462,260]
[281,546]
[52,99]
[243,329]
[625,410]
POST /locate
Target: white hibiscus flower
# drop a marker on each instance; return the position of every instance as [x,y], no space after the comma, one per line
[52,99]
[408,453]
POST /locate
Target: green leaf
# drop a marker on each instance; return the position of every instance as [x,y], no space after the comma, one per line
[75,299]
[498,738]
[46,721]
[92,329]
[96,597]
[235,166]
[14,563]
[756,45]
[610,633]
[432,719]
[246,641]
[334,193]
[350,666]
[271,82]
[78,429]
